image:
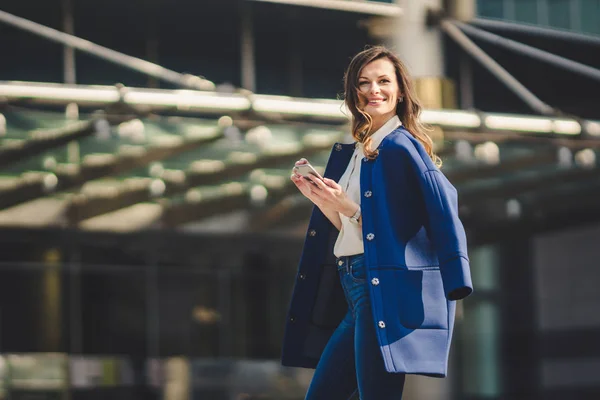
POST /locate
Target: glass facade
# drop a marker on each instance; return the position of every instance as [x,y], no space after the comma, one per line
[577,15]
[480,332]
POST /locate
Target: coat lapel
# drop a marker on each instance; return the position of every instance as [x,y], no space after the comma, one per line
[338,161]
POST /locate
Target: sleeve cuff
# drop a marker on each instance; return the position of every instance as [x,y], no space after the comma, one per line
[457,278]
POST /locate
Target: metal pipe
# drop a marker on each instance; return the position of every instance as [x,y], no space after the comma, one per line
[44,140]
[496,69]
[94,95]
[137,64]
[195,102]
[535,30]
[362,7]
[531,51]
[69,72]
[247,49]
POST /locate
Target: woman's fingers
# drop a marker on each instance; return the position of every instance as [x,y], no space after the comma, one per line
[331,183]
[330,186]
[323,193]
[301,161]
[317,183]
[305,187]
[316,190]
[297,179]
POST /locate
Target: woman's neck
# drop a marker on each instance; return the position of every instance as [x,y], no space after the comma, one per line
[376,124]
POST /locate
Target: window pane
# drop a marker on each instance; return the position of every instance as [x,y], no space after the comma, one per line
[527,11]
[490,8]
[560,13]
[590,16]
[481,352]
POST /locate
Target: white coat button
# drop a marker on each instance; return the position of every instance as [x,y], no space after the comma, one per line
[365,159]
[370,236]
[340,263]
[381,324]
[375,281]
[338,147]
[312,232]
[368,193]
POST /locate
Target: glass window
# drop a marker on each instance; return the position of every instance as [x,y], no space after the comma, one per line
[481,352]
[590,16]
[527,11]
[560,13]
[479,333]
[490,8]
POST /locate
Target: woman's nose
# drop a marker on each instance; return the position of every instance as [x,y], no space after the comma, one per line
[374,88]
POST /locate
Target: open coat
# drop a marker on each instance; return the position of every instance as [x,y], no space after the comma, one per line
[415,254]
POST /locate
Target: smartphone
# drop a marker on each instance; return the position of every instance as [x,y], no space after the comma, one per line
[307,171]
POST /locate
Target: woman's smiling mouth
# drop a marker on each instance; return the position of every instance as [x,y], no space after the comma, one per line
[375,102]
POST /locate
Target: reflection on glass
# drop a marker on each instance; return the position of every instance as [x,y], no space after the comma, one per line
[481,350]
[484,268]
[480,330]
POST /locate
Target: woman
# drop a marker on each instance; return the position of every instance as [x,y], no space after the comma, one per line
[385,235]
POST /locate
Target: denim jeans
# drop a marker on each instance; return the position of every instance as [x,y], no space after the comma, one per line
[352,360]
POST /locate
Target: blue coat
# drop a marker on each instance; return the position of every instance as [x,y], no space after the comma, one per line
[415,254]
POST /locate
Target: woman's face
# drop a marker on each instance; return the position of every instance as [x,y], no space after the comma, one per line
[378,89]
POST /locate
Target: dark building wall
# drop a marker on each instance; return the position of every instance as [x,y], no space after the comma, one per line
[567,301]
[186,36]
[578,15]
[298,50]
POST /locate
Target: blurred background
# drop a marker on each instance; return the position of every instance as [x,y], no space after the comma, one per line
[149,232]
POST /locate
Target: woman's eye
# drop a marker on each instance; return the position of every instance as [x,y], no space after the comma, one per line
[384,81]
[362,83]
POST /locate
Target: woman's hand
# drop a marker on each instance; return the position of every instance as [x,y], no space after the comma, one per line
[331,196]
[304,184]
[326,194]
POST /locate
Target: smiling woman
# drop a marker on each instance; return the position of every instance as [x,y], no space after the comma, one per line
[377,86]
[385,255]
[379,92]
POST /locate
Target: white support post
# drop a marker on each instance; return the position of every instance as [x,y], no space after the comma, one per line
[419,46]
[463,10]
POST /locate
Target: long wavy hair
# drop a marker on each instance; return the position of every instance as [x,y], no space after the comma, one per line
[408,110]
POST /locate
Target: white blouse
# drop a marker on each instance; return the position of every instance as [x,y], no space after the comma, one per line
[349,240]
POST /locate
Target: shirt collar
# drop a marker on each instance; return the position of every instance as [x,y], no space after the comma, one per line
[385,129]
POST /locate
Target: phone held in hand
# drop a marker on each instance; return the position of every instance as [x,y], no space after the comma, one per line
[307,171]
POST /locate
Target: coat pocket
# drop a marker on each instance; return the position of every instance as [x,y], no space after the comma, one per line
[330,304]
[415,297]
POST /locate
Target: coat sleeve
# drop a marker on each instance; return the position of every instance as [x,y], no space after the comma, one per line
[446,232]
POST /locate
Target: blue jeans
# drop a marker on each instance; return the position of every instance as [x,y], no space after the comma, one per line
[352,360]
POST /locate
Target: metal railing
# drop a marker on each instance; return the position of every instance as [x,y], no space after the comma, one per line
[124,60]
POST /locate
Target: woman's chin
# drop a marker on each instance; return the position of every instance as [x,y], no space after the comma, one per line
[377,113]
[376,110]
